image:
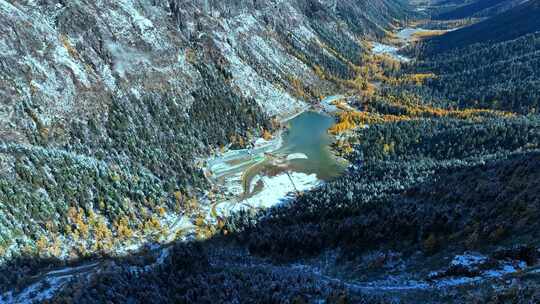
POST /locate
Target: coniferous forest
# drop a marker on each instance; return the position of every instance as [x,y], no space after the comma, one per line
[118,129]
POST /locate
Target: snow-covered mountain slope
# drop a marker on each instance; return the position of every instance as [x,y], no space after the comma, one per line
[105,106]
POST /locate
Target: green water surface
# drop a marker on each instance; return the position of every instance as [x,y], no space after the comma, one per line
[308,134]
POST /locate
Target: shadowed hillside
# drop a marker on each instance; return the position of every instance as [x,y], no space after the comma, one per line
[477,8]
[509,25]
[159,151]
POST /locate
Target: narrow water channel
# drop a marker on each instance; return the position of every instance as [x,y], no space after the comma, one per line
[405,36]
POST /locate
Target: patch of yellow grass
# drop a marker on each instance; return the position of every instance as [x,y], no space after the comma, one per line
[427,34]
[350,120]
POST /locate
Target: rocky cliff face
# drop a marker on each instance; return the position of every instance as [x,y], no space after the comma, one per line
[106,106]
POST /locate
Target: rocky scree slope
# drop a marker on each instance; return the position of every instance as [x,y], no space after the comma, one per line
[106,106]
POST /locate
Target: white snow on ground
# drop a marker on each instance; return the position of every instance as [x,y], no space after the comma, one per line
[468,260]
[6,49]
[297,156]
[222,167]
[406,34]
[380,48]
[261,142]
[125,58]
[277,190]
[35,293]
[233,184]
[273,99]
[9,8]
[327,103]
[473,262]
[139,20]
[386,286]
[176,225]
[219,165]
[507,268]
[269,51]
[63,58]
[72,270]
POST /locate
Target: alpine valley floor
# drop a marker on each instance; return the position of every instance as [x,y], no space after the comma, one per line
[302,151]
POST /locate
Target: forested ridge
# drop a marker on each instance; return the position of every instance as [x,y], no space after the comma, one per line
[509,25]
[471,9]
[486,65]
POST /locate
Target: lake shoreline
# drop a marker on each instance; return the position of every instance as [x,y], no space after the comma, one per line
[275,155]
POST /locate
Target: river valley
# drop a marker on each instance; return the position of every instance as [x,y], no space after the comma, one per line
[271,172]
[320,199]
